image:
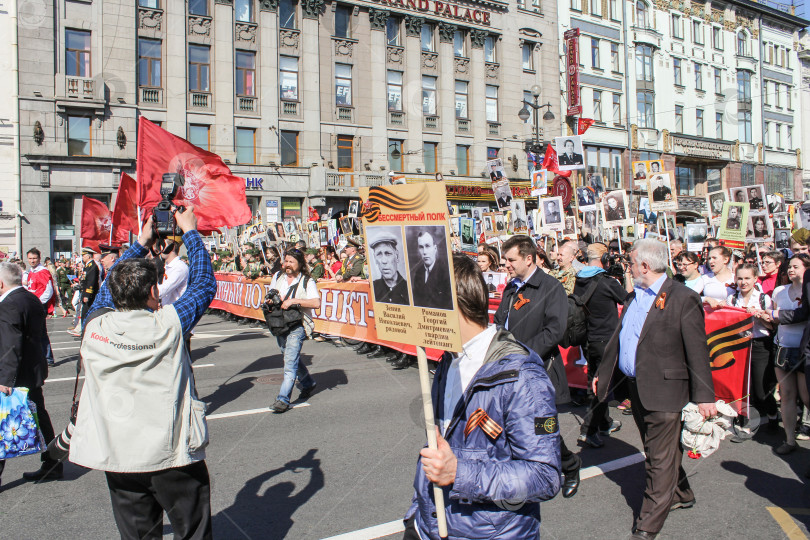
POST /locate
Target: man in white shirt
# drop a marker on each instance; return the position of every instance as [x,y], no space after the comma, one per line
[39,281]
[175,279]
[297,291]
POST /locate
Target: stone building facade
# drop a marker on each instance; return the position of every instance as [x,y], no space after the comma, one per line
[307,100]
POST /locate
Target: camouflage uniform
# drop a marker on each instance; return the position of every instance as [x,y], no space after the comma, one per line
[567,277]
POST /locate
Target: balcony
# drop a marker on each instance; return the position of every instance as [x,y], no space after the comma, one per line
[431,122]
[396,118]
[80,87]
[747,63]
[148,95]
[462,125]
[493,129]
[648,35]
[247,104]
[344,114]
[200,100]
[337,181]
[289,108]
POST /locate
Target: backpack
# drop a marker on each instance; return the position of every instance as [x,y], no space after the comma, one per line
[576,330]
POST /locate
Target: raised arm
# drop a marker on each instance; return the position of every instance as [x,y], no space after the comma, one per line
[202,285]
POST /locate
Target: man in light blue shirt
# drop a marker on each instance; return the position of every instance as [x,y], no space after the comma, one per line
[633,322]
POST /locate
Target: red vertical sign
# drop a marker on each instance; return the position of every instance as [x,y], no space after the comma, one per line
[572,69]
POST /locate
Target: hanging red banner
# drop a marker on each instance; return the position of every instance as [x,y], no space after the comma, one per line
[572,70]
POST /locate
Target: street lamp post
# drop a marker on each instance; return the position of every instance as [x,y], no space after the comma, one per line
[524,114]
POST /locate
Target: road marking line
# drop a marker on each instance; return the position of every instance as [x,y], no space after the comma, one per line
[395,527]
[195,366]
[66,348]
[792,531]
[249,411]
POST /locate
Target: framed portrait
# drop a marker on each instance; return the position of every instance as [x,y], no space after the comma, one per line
[661,191]
[468,234]
[353,207]
[738,194]
[387,264]
[428,268]
[756,197]
[569,153]
[518,218]
[782,238]
[590,221]
[614,208]
[495,170]
[570,227]
[540,180]
[586,197]
[696,234]
[552,210]
[760,228]
[496,282]
[502,193]
[714,202]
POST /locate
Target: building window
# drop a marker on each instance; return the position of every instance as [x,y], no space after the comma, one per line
[461,99]
[596,8]
[615,63]
[198,7]
[576,5]
[778,130]
[286,13]
[288,148]
[677,71]
[744,126]
[392,29]
[462,160]
[528,56]
[644,63]
[717,38]
[245,145]
[698,76]
[245,73]
[149,61]
[617,109]
[677,28]
[458,44]
[743,86]
[678,118]
[597,106]
[394,90]
[395,163]
[766,92]
[595,54]
[741,44]
[492,103]
[766,134]
[60,209]
[604,166]
[777,95]
[243,10]
[718,125]
[199,68]
[788,99]
[747,174]
[528,98]
[154,4]
[345,153]
[288,78]
[789,130]
[646,115]
[343,85]
[699,122]
[614,9]
[642,15]
[427,37]
[779,180]
[79,136]
[428,95]
[77,53]
[718,81]
[697,32]
[489,49]
[343,21]
[199,135]
[429,152]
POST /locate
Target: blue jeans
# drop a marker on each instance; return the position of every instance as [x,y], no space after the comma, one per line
[290,346]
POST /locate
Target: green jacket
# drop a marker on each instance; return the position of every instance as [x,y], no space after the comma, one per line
[352,267]
[62,280]
[317,270]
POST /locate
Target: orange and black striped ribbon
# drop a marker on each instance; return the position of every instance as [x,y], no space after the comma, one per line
[481,419]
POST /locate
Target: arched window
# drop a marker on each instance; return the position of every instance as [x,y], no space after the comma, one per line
[642,15]
[742,40]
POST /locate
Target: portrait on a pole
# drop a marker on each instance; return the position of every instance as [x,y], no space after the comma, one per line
[387,264]
[569,152]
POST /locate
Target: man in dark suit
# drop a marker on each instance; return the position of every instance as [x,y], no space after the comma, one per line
[534,308]
[430,278]
[23,364]
[659,353]
[661,192]
[569,157]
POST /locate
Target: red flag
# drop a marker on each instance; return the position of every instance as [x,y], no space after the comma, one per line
[313,214]
[728,333]
[217,195]
[583,124]
[125,212]
[96,220]
[550,162]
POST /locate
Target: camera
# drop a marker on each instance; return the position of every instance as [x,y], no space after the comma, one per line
[615,266]
[165,224]
[272,300]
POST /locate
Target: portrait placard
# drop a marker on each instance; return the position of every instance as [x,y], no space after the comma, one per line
[696,234]
[552,213]
[662,193]
[714,202]
[733,223]
[614,209]
[569,152]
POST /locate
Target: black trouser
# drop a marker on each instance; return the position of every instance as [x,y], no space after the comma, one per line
[36,396]
[763,376]
[410,530]
[597,416]
[86,306]
[139,499]
[569,461]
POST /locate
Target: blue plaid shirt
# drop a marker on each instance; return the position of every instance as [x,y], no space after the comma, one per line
[201,288]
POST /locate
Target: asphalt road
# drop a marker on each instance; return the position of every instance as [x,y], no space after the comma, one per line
[344,461]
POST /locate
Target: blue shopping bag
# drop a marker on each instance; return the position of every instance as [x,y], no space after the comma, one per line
[19,432]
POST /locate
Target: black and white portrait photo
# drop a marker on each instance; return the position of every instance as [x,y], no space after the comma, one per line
[495,169]
[500,224]
[739,195]
[387,265]
[715,202]
[734,218]
[488,224]
[782,238]
[595,183]
[467,233]
[324,236]
[803,214]
[696,234]
[552,213]
[614,208]
[756,197]
[590,221]
[639,170]
[570,228]
[759,227]
[518,215]
[353,206]
[430,281]
[586,197]
[503,194]
[569,152]
[662,192]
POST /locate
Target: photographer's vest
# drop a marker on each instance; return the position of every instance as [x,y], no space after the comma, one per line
[138,410]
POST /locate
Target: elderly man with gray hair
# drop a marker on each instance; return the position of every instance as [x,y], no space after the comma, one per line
[22,362]
[659,353]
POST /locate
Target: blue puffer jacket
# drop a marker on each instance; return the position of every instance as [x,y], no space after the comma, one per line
[499,483]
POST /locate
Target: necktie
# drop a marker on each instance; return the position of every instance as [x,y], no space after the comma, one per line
[427,273]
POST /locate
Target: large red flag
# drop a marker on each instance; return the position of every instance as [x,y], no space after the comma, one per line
[96,220]
[125,212]
[217,195]
[551,163]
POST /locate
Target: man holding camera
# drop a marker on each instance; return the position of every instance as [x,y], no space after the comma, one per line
[139,419]
[297,291]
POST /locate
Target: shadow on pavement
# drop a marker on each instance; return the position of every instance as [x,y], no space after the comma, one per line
[268,513]
[329,380]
